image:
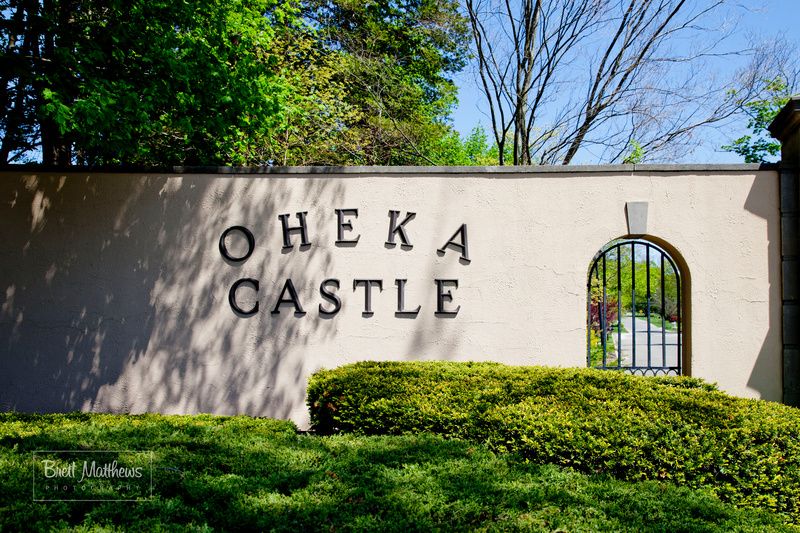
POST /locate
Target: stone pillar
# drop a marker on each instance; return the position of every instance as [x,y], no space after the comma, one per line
[786,128]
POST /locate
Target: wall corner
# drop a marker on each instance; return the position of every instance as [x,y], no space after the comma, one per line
[786,128]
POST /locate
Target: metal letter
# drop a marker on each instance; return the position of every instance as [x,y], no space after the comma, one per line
[461,246]
[223,248]
[401,310]
[395,228]
[232,297]
[342,225]
[292,299]
[443,296]
[287,231]
[330,296]
[368,284]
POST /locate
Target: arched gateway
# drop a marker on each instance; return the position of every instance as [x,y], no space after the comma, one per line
[636,310]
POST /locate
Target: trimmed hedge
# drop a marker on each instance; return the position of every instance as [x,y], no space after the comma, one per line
[680,430]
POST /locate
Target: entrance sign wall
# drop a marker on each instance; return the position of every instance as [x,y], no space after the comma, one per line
[222,292]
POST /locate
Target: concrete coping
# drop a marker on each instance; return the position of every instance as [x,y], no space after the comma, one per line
[787,121]
[413,170]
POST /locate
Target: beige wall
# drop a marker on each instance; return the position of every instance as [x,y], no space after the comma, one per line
[114,293]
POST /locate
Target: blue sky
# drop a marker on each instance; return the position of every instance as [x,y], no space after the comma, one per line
[762,18]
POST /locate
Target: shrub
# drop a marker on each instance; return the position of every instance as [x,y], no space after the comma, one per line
[680,430]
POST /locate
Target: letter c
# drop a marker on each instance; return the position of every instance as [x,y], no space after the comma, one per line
[232,297]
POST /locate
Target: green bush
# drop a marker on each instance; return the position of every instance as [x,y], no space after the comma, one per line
[679,430]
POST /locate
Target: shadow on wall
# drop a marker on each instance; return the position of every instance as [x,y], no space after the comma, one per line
[431,338]
[107,305]
[764,201]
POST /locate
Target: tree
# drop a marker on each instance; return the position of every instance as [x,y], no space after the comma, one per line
[563,77]
[759,146]
[472,150]
[139,82]
[782,82]
[394,59]
[314,119]
[154,82]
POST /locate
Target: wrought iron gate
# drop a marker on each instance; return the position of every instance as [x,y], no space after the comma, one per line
[634,310]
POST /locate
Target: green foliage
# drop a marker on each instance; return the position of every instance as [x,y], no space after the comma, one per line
[674,429]
[246,474]
[759,146]
[393,59]
[159,83]
[474,150]
[626,281]
[314,122]
[601,328]
[636,154]
[596,348]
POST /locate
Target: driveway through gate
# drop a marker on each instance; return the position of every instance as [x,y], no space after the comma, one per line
[634,309]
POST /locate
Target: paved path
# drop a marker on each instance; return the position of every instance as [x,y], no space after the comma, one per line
[658,355]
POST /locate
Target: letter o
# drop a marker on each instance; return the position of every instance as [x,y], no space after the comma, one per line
[251,244]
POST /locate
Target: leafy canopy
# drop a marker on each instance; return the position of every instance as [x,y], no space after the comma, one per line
[759,146]
[158,83]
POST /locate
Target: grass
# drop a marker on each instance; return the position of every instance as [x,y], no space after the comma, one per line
[596,354]
[657,321]
[240,473]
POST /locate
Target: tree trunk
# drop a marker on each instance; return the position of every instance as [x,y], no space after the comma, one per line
[524,82]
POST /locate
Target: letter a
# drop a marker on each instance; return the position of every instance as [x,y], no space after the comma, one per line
[460,245]
[292,299]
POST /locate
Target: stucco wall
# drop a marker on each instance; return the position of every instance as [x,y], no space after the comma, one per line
[115,296]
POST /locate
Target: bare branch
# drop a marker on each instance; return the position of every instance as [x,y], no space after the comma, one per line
[647,76]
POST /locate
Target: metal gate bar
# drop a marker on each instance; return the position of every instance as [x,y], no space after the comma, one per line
[602,309]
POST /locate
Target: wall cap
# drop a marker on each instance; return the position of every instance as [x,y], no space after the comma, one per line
[407,170]
[787,121]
